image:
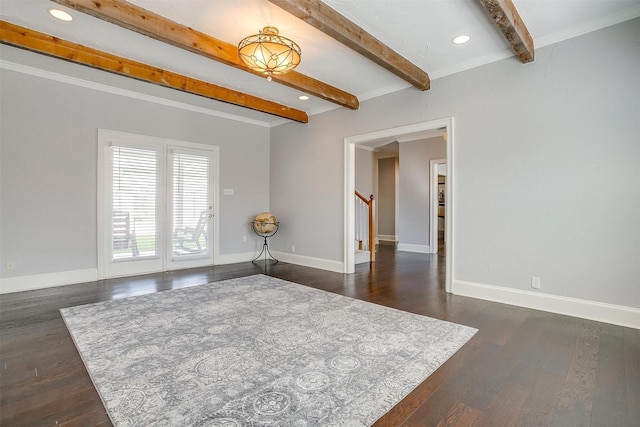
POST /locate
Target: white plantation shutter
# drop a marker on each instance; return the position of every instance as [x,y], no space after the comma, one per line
[134,233]
[191,205]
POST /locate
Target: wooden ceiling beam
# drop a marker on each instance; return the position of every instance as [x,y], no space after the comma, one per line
[25,38]
[150,24]
[509,22]
[329,21]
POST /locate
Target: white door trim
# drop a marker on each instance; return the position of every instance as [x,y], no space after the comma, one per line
[349,188]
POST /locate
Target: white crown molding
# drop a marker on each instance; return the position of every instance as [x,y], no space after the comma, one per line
[585,28]
[75,81]
[384,91]
[588,27]
[471,64]
[364,97]
[592,310]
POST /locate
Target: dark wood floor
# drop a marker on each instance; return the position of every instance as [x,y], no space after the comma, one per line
[523,367]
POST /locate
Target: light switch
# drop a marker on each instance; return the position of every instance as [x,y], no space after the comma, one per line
[228,192]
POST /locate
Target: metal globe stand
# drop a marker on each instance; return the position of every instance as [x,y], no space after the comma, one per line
[265,236]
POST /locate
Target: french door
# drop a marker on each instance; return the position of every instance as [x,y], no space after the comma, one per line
[157,207]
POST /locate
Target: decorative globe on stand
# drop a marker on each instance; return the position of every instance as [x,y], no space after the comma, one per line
[265,225]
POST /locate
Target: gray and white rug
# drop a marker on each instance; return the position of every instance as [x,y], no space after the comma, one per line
[255,351]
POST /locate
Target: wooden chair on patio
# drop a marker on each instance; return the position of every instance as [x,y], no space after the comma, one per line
[191,235]
[123,237]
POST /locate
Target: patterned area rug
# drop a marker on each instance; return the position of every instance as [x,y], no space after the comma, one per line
[255,351]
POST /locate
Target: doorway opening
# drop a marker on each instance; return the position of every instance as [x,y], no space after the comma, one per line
[383,137]
[438,202]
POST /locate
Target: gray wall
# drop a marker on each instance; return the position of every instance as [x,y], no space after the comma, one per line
[387,177]
[48,169]
[366,172]
[546,157]
[414,215]
[546,168]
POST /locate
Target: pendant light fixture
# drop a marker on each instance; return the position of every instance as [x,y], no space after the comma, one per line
[269,53]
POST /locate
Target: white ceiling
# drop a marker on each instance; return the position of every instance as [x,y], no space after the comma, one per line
[420,30]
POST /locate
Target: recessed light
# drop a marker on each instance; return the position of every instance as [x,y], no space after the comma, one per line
[303,97]
[61,15]
[461,39]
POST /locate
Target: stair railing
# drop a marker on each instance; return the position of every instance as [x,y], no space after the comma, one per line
[365,224]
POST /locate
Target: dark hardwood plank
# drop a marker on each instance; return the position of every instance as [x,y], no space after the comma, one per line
[610,391]
[524,367]
[540,406]
[457,388]
[410,403]
[559,340]
[576,394]
[505,407]
[461,416]
[632,363]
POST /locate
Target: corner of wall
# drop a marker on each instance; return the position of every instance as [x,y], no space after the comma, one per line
[601,312]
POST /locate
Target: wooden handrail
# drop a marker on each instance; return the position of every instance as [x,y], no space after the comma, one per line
[372,245]
[364,199]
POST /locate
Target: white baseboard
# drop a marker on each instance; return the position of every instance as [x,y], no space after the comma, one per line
[387,238]
[234,258]
[362,257]
[592,310]
[421,249]
[49,280]
[323,264]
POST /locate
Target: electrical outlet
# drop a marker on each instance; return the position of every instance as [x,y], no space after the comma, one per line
[11,265]
[535,282]
[244,238]
[293,249]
